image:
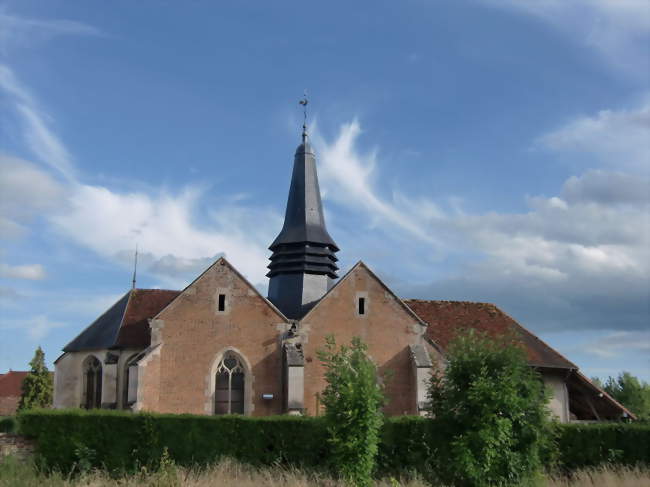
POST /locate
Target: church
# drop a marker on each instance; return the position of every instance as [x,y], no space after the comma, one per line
[220,347]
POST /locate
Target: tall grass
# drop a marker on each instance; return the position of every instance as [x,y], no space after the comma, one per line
[603,477]
[228,473]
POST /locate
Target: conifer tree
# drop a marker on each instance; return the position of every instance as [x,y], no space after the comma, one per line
[37,385]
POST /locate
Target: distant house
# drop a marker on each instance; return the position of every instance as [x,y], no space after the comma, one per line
[220,347]
[10,391]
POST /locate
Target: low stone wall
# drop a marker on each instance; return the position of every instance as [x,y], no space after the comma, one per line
[16,445]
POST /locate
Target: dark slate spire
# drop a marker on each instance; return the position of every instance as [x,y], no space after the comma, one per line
[303,264]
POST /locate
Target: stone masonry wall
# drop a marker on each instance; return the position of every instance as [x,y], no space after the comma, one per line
[15,445]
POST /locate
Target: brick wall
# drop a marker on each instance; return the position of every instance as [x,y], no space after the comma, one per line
[8,405]
[193,333]
[386,327]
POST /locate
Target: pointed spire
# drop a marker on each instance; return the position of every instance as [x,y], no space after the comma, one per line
[303,264]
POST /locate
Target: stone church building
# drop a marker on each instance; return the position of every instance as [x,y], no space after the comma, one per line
[220,347]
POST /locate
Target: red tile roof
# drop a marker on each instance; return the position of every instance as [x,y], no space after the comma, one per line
[447,318]
[11,383]
[143,304]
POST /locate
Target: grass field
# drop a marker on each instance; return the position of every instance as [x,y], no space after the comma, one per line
[230,474]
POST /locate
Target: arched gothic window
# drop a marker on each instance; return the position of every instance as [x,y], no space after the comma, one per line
[93,383]
[229,385]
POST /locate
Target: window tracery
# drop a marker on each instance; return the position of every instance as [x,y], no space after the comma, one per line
[229,385]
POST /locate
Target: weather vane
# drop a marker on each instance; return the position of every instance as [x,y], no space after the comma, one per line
[304,103]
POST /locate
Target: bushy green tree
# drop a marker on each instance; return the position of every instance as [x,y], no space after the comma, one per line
[633,393]
[353,398]
[37,385]
[489,414]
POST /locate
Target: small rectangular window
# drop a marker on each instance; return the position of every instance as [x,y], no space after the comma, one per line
[222,302]
[362,306]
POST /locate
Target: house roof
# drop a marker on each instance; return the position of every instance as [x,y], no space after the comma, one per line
[123,325]
[11,383]
[447,318]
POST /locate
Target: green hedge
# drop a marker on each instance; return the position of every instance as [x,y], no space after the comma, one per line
[405,444]
[8,424]
[588,445]
[123,441]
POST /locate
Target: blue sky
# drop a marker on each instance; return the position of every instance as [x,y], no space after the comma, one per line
[474,150]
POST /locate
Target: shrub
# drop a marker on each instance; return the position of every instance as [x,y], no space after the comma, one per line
[8,424]
[490,414]
[352,400]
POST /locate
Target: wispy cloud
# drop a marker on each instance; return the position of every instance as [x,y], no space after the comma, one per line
[25,193]
[34,272]
[39,136]
[348,178]
[619,343]
[164,225]
[40,326]
[581,257]
[617,29]
[35,327]
[17,31]
[110,222]
[616,138]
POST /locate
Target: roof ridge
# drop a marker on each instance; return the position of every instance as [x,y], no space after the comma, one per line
[450,301]
[362,264]
[156,289]
[224,261]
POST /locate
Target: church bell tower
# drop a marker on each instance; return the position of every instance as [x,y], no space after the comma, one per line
[303,265]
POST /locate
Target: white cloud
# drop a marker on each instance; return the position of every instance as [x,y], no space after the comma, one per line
[36,327]
[619,343]
[16,31]
[618,29]
[163,225]
[616,138]
[34,272]
[608,188]
[40,326]
[111,222]
[579,258]
[25,192]
[39,137]
[348,178]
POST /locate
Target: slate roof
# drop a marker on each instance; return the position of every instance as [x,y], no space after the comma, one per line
[11,383]
[304,245]
[447,318]
[124,325]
